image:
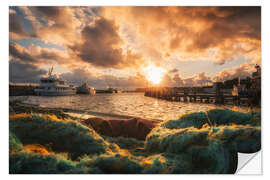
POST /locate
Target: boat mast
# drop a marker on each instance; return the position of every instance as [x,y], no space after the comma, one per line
[50,71]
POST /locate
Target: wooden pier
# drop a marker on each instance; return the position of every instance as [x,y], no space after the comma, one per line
[189,95]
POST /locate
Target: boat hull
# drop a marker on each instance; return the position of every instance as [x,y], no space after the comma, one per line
[86,91]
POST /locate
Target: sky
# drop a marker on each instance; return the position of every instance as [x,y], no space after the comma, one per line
[115,46]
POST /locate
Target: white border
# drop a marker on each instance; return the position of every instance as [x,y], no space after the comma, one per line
[137,2]
[265,65]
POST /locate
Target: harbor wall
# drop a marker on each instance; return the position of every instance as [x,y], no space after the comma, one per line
[21,90]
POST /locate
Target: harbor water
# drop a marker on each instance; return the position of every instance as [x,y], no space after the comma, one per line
[126,104]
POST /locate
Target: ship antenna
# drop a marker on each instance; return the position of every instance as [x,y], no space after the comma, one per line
[50,71]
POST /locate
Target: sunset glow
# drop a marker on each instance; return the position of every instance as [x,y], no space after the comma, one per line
[154,74]
[105,47]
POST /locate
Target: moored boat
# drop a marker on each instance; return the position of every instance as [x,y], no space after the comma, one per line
[52,85]
[85,89]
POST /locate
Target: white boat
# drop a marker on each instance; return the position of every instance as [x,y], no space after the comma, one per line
[86,89]
[52,85]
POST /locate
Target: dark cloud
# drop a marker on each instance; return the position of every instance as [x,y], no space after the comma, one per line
[52,12]
[24,73]
[20,26]
[248,19]
[101,46]
[225,28]
[16,25]
[237,22]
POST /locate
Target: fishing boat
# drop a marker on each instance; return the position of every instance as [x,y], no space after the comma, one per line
[52,85]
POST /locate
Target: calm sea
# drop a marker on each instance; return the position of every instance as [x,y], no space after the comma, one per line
[131,104]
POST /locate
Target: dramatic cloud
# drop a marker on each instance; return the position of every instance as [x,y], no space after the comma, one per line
[23,26]
[60,24]
[85,36]
[218,33]
[101,46]
[123,39]
[36,55]
[25,64]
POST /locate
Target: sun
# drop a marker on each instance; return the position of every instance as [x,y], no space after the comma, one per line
[154,74]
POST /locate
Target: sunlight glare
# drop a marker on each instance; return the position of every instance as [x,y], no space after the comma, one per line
[154,74]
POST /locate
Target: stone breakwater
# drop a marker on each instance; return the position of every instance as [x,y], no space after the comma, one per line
[196,143]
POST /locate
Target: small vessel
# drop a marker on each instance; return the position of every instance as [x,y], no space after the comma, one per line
[85,89]
[52,85]
[113,90]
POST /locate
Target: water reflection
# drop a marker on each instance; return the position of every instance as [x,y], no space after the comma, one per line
[132,104]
